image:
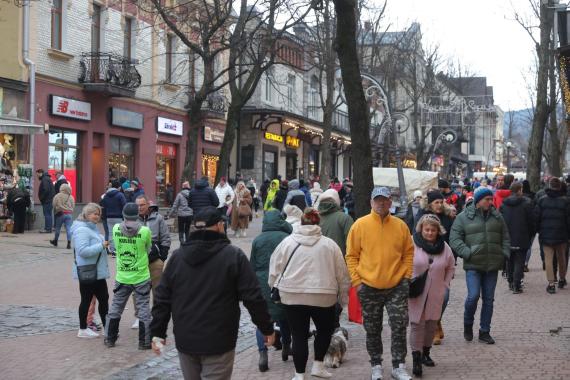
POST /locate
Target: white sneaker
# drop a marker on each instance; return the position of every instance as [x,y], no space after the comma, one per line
[299,376]
[376,372]
[319,370]
[87,333]
[243,234]
[135,324]
[400,373]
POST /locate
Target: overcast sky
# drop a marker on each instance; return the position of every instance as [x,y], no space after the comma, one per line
[482,34]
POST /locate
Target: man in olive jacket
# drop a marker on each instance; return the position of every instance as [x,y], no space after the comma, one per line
[481,237]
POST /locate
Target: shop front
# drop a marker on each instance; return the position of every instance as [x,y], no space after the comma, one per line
[169,131]
[212,139]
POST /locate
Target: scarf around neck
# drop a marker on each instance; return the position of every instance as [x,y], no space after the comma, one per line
[431,249]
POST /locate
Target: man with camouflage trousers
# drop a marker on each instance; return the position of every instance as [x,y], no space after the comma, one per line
[380,256]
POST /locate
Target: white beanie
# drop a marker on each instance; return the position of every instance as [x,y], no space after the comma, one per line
[417,194]
[330,194]
[293,213]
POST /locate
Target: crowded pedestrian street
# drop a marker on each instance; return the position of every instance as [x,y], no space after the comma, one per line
[38,328]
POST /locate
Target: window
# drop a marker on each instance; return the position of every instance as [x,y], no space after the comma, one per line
[56,24]
[170,48]
[121,158]
[64,156]
[290,91]
[96,29]
[128,38]
[268,84]
[314,97]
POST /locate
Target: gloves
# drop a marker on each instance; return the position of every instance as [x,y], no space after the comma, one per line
[164,252]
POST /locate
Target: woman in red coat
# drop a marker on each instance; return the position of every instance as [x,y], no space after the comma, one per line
[431,254]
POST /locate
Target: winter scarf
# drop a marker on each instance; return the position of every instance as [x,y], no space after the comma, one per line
[430,248]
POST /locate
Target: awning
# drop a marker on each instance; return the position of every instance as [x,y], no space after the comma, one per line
[20,127]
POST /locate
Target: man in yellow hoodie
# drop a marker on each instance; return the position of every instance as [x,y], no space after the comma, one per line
[380,255]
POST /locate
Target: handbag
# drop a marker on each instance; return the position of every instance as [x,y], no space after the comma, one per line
[417,284]
[86,274]
[274,293]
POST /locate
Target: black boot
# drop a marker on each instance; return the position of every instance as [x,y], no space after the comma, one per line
[112,332]
[426,360]
[144,338]
[485,337]
[417,363]
[286,352]
[468,332]
[53,242]
[68,245]
[263,361]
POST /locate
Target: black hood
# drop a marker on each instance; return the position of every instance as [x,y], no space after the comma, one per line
[201,184]
[513,200]
[554,193]
[202,246]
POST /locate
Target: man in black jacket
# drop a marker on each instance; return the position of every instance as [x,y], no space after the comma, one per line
[202,195]
[553,226]
[201,288]
[46,193]
[518,213]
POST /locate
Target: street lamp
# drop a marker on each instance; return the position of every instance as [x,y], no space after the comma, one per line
[509,145]
[444,137]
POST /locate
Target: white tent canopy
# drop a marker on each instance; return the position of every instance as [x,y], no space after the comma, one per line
[414,179]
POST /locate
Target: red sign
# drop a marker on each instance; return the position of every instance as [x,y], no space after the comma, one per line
[166,150]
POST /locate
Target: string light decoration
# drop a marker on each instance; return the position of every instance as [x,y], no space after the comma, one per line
[564,81]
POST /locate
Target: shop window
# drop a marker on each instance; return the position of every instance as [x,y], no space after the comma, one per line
[64,157]
[269,165]
[165,173]
[121,157]
[291,165]
[247,157]
[210,166]
[314,162]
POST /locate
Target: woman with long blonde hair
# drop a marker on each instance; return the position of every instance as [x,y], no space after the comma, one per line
[241,209]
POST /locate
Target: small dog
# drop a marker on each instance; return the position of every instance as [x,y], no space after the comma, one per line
[337,349]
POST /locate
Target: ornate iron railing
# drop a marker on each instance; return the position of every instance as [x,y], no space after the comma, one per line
[109,68]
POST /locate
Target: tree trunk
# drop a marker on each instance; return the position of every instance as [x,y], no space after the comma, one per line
[189,172]
[325,169]
[356,102]
[232,125]
[555,153]
[541,108]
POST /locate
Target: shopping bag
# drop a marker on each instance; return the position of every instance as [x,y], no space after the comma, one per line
[354,308]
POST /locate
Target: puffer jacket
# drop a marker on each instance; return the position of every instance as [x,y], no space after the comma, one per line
[273,231]
[335,224]
[295,196]
[482,241]
[202,195]
[519,217]
[316,275]
[63,201]
[46,190]
[87,245]
[159,234]
[113,202]
[552,214]
[500,196]
[180,205]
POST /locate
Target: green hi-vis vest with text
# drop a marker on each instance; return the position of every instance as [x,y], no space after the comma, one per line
[132,255]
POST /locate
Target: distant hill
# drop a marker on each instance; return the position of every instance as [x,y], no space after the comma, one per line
[522,124]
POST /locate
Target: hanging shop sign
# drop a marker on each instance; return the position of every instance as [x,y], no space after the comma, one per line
[292,142]
[126,119]
[169,126]
[213,135]
[273,137]
[167,150]
[70,108]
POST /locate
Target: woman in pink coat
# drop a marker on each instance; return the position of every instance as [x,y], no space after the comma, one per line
[431,254]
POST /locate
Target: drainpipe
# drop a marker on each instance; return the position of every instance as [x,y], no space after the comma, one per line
[32,70]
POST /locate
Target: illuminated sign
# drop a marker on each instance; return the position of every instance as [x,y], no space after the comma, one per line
[172,127]
[292,142]
[273,137]
[71,108]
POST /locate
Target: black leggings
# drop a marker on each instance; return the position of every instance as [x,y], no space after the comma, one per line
[299,318]
[99,290]
[184,223]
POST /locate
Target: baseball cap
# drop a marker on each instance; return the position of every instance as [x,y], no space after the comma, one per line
[381,192]
[207,217]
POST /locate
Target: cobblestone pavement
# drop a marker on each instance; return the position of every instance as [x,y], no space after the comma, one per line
[38,311]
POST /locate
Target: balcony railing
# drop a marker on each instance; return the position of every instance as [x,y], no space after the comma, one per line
[111,73]
[340,121]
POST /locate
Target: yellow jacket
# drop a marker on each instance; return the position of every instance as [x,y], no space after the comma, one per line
[379,253]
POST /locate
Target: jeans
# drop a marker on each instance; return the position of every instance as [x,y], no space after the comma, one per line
[516,267]
[66,220]
[285,335]
[480,284]
[105,228]
[48,216]
[529,252]
[207,367]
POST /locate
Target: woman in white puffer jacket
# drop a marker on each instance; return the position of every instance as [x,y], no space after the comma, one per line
[310,286]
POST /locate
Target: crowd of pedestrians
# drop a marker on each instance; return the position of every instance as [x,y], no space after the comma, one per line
[312,253]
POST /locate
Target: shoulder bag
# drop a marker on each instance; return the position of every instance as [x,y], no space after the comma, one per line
[274,294]
[417,284]
[86,274]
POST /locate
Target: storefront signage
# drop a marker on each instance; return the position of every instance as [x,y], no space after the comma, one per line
[213,135]
[126,119]
[167,150]
[292,142]
[73,109]
[172,127]
[273,137]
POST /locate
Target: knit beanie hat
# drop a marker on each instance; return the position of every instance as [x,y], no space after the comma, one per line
[310,217]
[434,195]
[481,193]
[443,184]
[417,194]
[131,211]
[330,194]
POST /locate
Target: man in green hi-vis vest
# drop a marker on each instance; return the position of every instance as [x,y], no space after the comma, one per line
[132,244]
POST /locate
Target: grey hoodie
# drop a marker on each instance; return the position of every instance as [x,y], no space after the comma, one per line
[130,227]
[180,205]
[293,191]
